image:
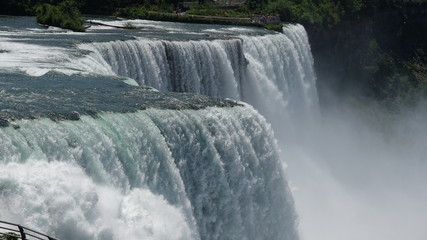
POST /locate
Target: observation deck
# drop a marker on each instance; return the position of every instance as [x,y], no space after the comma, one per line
[12,231]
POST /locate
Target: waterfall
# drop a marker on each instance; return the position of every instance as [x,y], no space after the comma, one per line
[273,72]
[281,81]
[204,67]
[139,164]
[153,174]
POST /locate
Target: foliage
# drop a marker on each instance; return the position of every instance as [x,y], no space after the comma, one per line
[307,11]
[417,67]
[315,11]
[65,15]
[108,7]
[278,27]
[395,84]
[256,5]
[209,9]
[9,236]
[325,12]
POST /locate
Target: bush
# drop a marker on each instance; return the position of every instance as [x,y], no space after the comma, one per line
[278,27]
[65,15]
[210,9]
[307,11]
[9,236]
[395,84]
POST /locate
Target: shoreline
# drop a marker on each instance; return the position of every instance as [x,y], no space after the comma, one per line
[199,19]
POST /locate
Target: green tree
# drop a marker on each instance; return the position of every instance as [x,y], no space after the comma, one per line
[256,4]
[65,15]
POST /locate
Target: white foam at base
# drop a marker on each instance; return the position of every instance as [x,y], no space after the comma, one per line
[59,195]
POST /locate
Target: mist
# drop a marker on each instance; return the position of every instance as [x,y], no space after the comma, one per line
[360,172]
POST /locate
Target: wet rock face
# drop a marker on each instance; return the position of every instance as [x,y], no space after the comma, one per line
[61,97]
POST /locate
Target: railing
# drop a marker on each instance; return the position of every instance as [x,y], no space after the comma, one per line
[11,231]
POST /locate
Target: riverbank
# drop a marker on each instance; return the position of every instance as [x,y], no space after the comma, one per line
[206,13]
[141,13]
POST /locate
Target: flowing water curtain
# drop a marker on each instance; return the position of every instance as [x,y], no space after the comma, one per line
[207,174]
[273,72]
[191,66]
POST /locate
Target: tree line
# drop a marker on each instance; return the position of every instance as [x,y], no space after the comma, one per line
[324,11]
[302,11]
[102,7]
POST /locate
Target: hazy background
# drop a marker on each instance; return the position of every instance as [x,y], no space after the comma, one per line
[360,172]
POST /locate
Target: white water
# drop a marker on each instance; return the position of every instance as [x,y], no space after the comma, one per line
[154,174]
[352,180]
[191,66]
[274,73]
[60,199]
[32,59]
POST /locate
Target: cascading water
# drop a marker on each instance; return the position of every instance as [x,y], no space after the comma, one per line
[136,163]
[354,182]
[214,174]
[192,66]
[142,164]
[274,72]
